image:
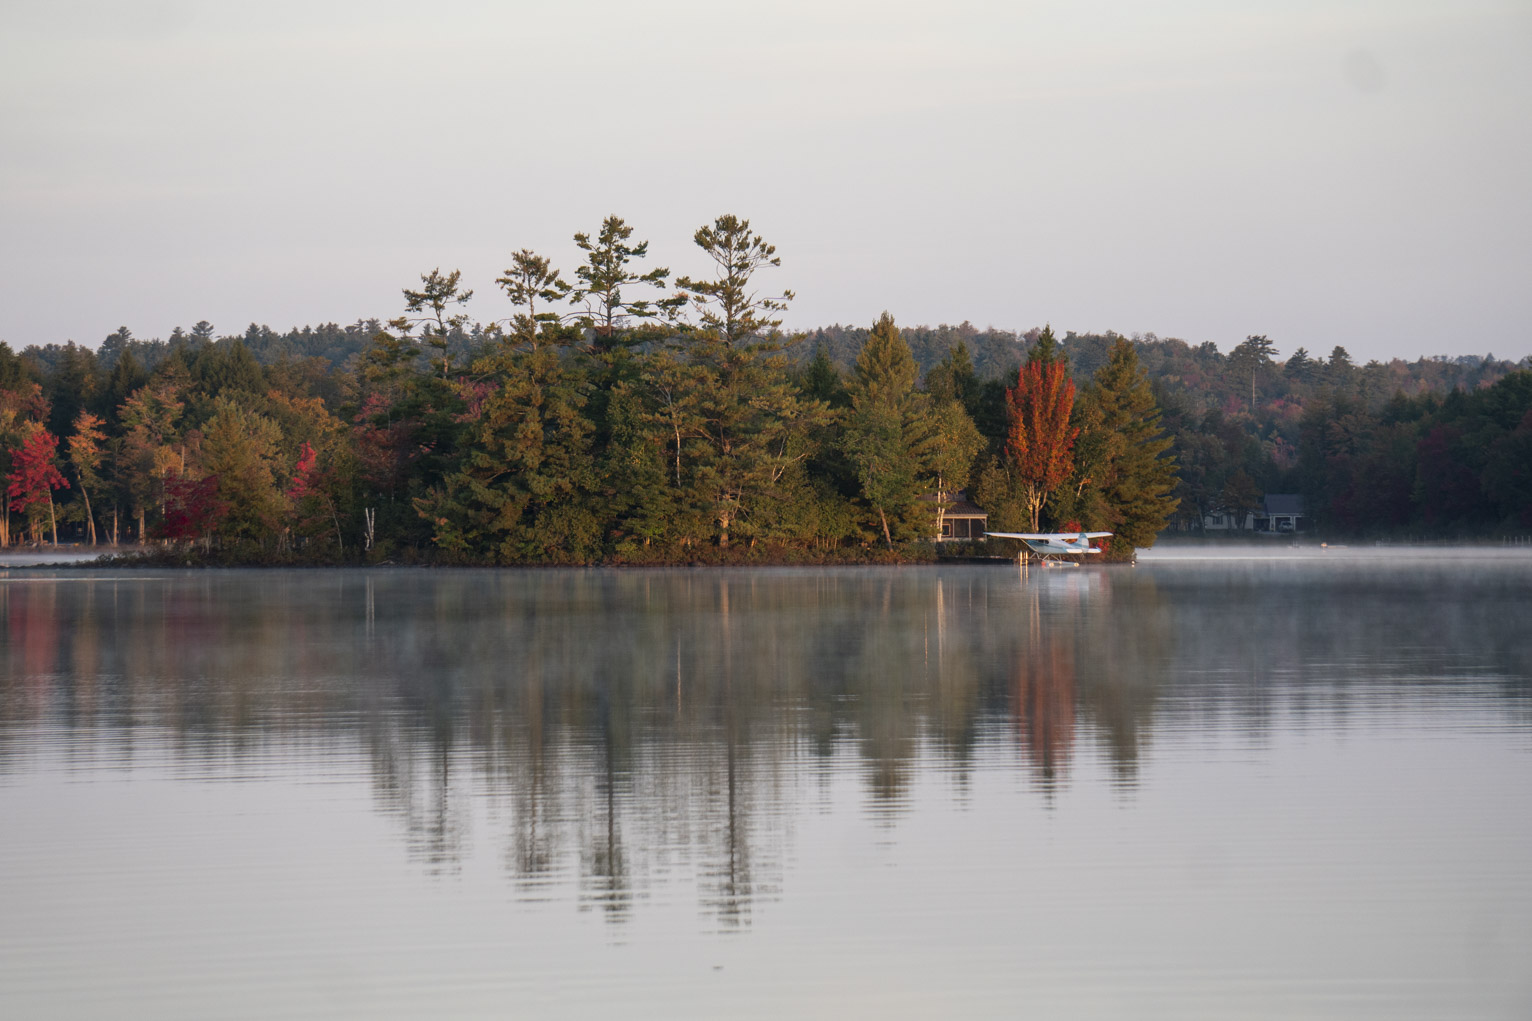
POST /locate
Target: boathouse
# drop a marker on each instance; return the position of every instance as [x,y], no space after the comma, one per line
[961,520]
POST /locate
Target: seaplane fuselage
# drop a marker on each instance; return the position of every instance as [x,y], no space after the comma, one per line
[1052,544]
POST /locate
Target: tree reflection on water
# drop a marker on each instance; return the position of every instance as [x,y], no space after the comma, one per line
[629,725]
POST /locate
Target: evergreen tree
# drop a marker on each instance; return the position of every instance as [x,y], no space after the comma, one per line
[676,424]
[72,386]
[1250,358]
[753,427]
[953,378]
[1137,473]
[753,422]
[113,347]
[529,280]
[604,275]
[439,293]
[641,463]
[1340,372]
[128,374]
[821,380]
[522,490]
[1078,502]
[727,307]
[890,434]
[1046,351]
[407,433]
[226,369]
[1299,368]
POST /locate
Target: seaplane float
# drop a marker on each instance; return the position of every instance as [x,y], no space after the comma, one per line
[1052,547]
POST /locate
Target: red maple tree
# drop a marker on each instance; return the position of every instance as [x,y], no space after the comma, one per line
[303,473]
[34,476]
[1040,443]
[192,507]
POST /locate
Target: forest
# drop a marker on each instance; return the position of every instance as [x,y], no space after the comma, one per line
[620,415]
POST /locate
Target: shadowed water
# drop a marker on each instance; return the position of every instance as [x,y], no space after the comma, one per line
[1261,788]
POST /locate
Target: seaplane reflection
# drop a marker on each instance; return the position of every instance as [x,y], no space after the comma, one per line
[1043,686]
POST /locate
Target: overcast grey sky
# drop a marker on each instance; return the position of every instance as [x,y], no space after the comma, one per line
[1325,173]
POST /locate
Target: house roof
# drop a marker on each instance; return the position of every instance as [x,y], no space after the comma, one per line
[1284,503]
[961,507]
[964,509]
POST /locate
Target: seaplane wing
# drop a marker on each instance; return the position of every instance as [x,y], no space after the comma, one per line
[1055,543]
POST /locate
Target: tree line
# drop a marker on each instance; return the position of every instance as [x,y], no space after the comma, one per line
[622,415]
[617,414]
[1436,448]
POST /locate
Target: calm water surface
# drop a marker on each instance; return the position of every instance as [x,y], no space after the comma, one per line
[1187,790]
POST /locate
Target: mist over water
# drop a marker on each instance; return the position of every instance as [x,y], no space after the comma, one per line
[1293,784]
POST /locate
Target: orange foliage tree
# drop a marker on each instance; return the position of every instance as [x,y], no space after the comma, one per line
[1040,442]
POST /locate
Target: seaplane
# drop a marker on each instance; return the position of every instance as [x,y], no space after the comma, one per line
[1052,547]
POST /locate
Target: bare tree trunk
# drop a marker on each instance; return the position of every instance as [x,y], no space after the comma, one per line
[1035,499]
[886,537]
[114,524]
[339,543]
[53,520]
[678,457]
[90,518]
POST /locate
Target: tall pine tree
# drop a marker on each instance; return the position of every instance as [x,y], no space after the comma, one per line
[890,434]
[1137,471]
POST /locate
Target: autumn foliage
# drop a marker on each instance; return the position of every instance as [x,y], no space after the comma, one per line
[193,509]
[1039,443]
[33,476]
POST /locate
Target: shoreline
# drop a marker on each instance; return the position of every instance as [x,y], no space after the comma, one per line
[1179,553]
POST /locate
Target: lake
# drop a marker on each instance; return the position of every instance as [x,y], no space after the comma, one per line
[1203,787]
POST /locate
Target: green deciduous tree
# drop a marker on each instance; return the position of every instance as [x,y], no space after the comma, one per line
[242,450]
[149,449]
